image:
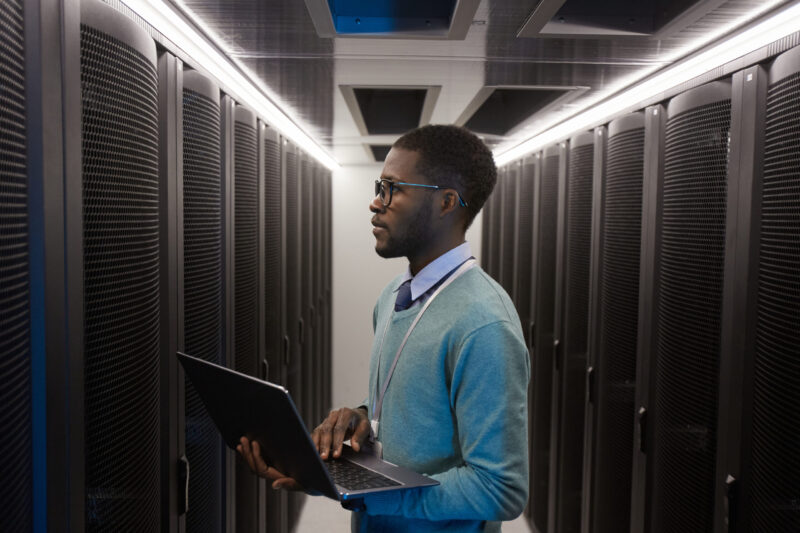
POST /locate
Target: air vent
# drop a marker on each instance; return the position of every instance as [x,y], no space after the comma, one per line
[427,19]
[497,110]
[380,151]
[587,18]
[385,110]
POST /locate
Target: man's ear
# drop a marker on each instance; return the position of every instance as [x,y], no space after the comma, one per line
[449,202]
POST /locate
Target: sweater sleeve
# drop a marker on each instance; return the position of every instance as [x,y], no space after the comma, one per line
[488,396]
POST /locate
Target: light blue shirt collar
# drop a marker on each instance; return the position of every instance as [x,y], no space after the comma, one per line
[436,270]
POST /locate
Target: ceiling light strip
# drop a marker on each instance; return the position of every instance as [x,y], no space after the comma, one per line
[780,25]
[169,23]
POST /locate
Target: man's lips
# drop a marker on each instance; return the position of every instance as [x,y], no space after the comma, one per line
[378,227]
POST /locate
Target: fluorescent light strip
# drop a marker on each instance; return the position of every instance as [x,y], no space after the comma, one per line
[161,17]
[780,25]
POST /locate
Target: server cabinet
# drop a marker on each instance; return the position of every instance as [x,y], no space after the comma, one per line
[524,228]
[757,478]
[508,227]
[247,354]
[570,337]
[17,395]
[496,226]
[119,92]
[328,236]
[547,197]
[486,218]
[306,210]
[318,197]
[680,328]
[201,292]
[293,331]
[611,370]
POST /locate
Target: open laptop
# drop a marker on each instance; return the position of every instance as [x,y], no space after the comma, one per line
[242,405]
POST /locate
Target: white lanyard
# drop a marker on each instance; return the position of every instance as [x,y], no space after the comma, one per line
[377,406]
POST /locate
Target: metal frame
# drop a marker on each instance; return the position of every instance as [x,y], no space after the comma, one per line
[170,138]
[655,131]
[348,93]
[515,190]
[593,339]
[227,108]
[737,343]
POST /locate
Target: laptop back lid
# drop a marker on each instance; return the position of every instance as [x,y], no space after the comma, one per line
[241,405]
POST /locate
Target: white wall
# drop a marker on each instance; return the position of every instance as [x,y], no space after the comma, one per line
[359,275]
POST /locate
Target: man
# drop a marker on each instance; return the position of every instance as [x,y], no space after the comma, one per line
[452,401]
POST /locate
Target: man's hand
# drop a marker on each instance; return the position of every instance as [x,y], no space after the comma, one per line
[341,424]
[251,453]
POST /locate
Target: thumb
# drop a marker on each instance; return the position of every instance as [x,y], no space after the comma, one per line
[360,435]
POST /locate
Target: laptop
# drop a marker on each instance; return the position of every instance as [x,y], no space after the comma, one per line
[241,405]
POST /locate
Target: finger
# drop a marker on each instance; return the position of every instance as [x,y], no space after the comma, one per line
[261,465]
[326,434]
[360,435]
[286,483]
[248,454]
[340,431]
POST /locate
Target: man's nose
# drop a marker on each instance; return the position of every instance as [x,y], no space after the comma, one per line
[376,205]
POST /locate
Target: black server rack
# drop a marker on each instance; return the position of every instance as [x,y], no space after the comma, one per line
[246,350]
[318,198]
[119,93]
[546,193]
[306,208]
[508,227]
[614,305]
[486,228]
[677,389]
[758,470]
[571,332]
[496,226]
[524,227]
[328,339]
[293,355]
[272,243]
[202,292]
[16,420]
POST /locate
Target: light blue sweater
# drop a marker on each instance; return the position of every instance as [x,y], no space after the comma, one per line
[456,409]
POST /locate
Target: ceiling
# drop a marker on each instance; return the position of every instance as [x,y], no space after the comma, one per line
[312,76]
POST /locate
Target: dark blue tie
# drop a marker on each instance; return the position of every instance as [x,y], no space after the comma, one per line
[403,300]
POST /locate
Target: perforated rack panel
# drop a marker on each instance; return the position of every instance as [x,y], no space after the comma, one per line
[202,300]
[688,318]
[121,284]
[619,304]
[16,462]
[775,490]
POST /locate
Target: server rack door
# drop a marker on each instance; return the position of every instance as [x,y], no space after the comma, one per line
[486,217]
[16,420]
[686,329]
[318,198]
[495,257]
[293,331]
[306,392]
[272,255]
[202,292]
[614,323]
[121,271]
[570,357]
[245,290]
[328,295]
[508,245]
[524,227]
[542,356]
[761,484]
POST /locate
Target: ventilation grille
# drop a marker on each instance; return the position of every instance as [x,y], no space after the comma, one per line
[509,219]
[272,255]
[292,275]
[246,240]
[619,304]
[525,243]
[15,372]
[688,318]
[486,229]
[202,299]
[121,276]
[543,341]
[776,423]
[497,225]
[579,240]
[306,291]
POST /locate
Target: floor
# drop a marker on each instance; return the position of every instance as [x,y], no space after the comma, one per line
[323,514]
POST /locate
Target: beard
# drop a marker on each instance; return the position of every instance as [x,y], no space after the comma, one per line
[415,236]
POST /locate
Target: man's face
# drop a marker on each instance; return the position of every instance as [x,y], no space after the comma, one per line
[404,227]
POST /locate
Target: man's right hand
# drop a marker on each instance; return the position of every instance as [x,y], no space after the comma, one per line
[341,424]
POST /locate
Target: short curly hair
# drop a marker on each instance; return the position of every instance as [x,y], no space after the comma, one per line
[451,156]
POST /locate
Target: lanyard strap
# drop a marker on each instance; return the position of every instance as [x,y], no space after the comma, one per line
[377,406]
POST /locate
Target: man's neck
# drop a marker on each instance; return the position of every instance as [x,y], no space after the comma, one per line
[423,259]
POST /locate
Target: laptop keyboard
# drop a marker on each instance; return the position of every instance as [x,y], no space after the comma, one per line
[355,477]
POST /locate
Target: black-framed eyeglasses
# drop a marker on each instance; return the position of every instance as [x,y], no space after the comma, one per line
[384,189]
